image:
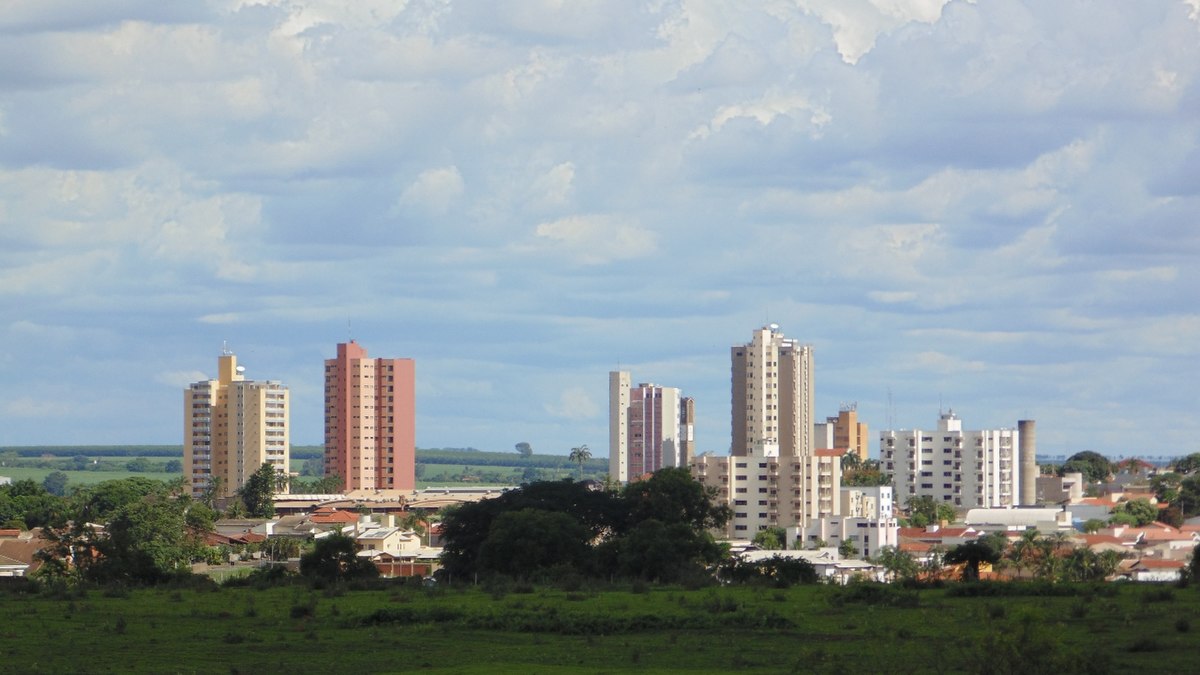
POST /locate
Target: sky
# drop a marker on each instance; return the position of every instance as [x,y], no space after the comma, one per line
[992,207]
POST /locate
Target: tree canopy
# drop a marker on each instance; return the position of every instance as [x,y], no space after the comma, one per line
[1094,466]
[924,510]
[258,493]
[654,529]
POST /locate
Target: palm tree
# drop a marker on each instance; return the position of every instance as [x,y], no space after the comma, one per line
[1024,552]
[579,456]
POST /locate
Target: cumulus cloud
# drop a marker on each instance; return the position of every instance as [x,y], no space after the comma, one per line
[434,190]
[597,239]
[180,379]
[574,403]
[906,183]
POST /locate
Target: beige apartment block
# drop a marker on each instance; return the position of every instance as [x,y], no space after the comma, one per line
[844,431]
[232,426]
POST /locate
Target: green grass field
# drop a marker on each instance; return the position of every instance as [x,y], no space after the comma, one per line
[712,630]
[80,477]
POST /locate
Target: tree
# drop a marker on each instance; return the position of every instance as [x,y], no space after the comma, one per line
[313,466]
[100,502]
[173,466]
[259,491]
[1025,551]
[1187,464]
[25,504]
[770,539]
[1094,466]
[847,549]
[1166,486]
[1136,512]
[672,495]
[213,491]
[1093,525]
[466,527]
[523,543]
[524,449]
[139,465]
[898,564]
[851,461]
[924,510]
[1188,500]
[334,558]
[657,551]
[145,542]
[580,456]
[56,483]
[971,555]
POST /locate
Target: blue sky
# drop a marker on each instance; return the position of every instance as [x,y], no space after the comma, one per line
[989,206]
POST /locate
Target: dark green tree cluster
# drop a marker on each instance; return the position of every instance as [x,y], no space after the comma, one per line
[924,510]
[1094,466]
[656,530]
[1135,512]
[778,571]
[133,530]
[25,504]
[334,558]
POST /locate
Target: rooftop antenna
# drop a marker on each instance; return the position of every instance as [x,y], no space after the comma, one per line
[225,348]
[891,414]
[349,330]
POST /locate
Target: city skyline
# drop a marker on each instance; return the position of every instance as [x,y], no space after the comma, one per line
[985,206]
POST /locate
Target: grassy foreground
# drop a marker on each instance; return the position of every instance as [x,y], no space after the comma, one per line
[523,630]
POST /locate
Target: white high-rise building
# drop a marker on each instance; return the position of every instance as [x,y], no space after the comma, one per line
[966,469]
[650,427]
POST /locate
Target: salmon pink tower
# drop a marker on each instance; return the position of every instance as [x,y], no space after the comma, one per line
[370,425]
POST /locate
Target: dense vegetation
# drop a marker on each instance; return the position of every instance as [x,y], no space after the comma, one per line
[655,529]
[514,628]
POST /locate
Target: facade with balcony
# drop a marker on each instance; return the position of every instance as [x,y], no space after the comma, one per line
[232,426]
[966,469]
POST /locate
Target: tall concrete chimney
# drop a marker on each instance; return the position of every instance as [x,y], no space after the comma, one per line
[1027,433]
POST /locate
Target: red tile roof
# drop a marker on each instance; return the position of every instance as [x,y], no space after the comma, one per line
[1155,563]
[327,517]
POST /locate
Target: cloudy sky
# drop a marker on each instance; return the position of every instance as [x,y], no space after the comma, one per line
[992,206]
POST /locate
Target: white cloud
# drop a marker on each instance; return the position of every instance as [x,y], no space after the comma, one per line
[574,403]
[597,239]
[434,190]
[857,24]
[26,407]
[180,379]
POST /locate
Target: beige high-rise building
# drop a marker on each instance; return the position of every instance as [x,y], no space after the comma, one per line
[232,427]
[775,475]
[772,397]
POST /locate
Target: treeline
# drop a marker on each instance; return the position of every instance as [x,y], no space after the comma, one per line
[481,458]
[470,456]
[94,451]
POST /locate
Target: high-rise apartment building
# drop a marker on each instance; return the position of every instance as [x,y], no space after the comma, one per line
[232,427]
[966,469]
[772,394]
[844,431]
[649,427]
[370,420]
[775,475]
